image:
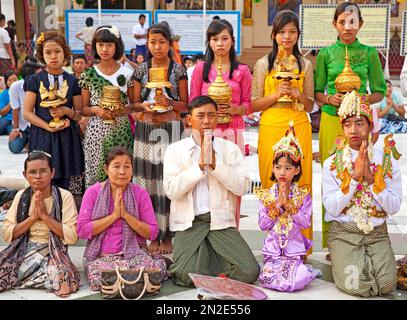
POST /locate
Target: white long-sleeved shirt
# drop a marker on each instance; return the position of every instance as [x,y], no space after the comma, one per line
[334,200]
[182,174]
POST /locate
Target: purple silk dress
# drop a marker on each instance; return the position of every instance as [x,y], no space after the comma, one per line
[283,268]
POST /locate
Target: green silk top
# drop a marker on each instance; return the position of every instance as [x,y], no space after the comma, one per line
[364,61]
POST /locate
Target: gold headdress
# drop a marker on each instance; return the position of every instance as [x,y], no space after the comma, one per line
[289,145]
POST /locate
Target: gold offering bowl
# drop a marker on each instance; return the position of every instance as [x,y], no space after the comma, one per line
[111,100]
[158,80]
[52,104]
[347,80]
[221,92]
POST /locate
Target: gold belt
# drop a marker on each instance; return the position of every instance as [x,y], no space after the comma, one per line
[374,213]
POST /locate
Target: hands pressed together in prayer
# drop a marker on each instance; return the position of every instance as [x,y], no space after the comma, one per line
[39,212]
[207,156]
[361,169]
[283,198]
[119,210]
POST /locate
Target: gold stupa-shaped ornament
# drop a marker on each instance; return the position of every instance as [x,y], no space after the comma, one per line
[221,92]
[347,80]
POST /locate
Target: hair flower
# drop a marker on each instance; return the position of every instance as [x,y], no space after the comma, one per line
[121,80]
[41,38]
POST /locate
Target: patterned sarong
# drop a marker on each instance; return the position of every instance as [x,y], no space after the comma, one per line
[362,265]
[150,144]
[33,269]
[202,251]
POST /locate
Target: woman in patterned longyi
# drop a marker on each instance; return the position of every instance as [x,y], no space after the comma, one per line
[155,131]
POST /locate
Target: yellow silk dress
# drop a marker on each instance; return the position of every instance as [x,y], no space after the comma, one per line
[274,123]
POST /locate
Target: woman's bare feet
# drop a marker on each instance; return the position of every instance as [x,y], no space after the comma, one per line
[166,246]
[154,247]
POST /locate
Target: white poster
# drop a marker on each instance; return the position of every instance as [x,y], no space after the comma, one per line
[189,25]
[317,30]
[125,20]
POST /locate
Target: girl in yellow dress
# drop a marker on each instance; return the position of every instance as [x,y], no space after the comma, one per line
[267,90]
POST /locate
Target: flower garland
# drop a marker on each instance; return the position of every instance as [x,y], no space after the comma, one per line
[284,221]
[349,101]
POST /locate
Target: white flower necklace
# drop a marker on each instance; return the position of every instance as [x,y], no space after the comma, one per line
[362,201]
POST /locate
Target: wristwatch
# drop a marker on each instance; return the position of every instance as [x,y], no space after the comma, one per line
[16,129]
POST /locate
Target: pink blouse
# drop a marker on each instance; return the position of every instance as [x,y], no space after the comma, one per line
[241,84]
[112,242]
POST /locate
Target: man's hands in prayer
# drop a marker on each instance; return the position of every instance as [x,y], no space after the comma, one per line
[207,156]
[362,165]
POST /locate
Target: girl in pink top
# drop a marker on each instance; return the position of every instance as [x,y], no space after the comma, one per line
[221,46]
[116,218]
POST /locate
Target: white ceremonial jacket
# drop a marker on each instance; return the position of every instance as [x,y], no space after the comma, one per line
[334,200]
[181,173]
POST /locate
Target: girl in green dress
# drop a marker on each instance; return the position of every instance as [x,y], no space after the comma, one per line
[364,61]
[101,135]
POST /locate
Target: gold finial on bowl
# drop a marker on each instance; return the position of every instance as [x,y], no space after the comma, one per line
[221,92]
[347,80]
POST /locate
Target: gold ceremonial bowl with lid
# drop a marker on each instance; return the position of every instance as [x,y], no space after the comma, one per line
[111,100]
[221,92]
[157,78]
[347,80]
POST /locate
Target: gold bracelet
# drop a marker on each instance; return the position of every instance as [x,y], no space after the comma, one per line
[327,99]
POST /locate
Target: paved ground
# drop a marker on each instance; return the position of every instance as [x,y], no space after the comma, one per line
[323,287]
